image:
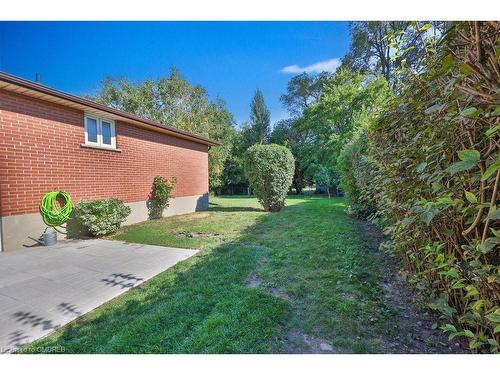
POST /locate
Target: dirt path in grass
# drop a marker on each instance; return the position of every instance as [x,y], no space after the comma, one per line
[415,321]
[412,325]
[295,342]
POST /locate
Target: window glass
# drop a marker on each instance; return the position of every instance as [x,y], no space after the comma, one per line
[91,130]
[106,133]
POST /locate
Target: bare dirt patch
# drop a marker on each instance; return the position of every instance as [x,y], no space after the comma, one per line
[255,281]
[414,322]
[276,292]
[191,216]
[299,342]
[197,234]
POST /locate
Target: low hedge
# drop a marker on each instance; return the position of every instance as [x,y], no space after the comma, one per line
[103,216]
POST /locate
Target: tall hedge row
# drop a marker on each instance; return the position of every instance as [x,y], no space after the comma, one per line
[436,153]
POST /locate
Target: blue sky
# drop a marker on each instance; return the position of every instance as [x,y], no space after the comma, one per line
[230,59]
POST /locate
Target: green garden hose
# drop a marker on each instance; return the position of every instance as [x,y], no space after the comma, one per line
[53,213]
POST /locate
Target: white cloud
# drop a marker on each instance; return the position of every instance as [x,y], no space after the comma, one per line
[321,66]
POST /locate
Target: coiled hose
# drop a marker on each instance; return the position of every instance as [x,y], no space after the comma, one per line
[53,213]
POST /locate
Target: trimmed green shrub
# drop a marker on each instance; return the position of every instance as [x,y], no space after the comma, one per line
[161,192]
[269,170]
[103,216]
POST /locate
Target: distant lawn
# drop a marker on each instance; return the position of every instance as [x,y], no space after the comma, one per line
[261,283]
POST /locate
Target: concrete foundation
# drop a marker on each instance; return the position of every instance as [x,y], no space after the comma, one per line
[15,230]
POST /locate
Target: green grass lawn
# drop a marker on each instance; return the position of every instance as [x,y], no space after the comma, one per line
[262,282]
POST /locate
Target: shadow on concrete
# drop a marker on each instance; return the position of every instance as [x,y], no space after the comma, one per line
[69,309]
[123,280]
[17,339]
[29,318]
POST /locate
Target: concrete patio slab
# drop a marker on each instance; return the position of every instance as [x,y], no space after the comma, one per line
[44,288]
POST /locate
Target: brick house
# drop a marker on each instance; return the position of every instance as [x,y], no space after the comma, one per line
[51,140]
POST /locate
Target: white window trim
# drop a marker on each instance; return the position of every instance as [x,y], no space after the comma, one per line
[99,142]
[113,134]
[87,142]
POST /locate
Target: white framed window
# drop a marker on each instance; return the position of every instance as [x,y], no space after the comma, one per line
[99,132]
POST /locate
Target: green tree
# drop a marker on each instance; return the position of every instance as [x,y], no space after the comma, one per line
[222,129]
[233,176]
[375,46]
[257,131]
[327,178]
[349,99]
[173,101]
[302,91]
[286,133]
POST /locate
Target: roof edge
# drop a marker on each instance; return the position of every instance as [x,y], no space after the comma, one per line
[14,80]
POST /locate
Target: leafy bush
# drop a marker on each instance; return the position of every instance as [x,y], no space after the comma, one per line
[357,171]
[269,170]
[102,216]
[161,192]
[437,155]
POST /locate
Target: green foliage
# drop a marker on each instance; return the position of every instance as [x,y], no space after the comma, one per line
[161,192]
[220,128]
[302,91]
[257,131]
[254,132]
[103,216]
[349,101]
[269,169]
[392,48]
[423,159]
[286,133]
[173,101]
[327,178]
[436,155]
[233,174]
[357,171]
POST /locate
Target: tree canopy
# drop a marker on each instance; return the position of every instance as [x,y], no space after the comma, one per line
[349,99]
[302,91]
[173,101]
[383,47]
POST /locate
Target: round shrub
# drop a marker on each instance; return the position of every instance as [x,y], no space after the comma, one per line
[103,216]
[269,170]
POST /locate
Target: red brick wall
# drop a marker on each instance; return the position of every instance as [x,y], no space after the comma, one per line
[40,151]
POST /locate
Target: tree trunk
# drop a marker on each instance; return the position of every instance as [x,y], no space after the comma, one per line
[297,187]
